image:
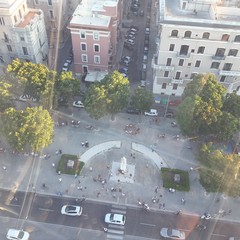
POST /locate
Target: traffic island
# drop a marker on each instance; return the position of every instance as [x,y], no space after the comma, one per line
[175,179]
[69,164]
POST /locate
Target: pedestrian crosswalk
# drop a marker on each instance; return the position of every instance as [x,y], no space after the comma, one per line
[116,232]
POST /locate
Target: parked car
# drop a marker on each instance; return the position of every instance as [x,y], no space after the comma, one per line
[65,67]
[130,42]
[145,58]
[128,47]
[145,50]
[124,75]
[123,70]
[130,36]
[133,110]
[147,30]
[152,112]
[134,27]
[143,84]
[144,67]
[78,104]
[174,102]
[141,13]
[71,210]
[143,75]
[172,233]
[114,218]
[124,62]
[126,58]
[15,234]
[169,115]
[27,97]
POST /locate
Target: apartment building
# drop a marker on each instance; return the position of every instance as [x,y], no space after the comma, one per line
[196,36]
[23,33]
[94,33]
[57,14]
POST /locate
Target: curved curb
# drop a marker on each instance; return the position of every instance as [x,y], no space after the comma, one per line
[99,149]
[149,153]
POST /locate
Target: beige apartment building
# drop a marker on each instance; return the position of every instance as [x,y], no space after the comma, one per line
[196,36]
[23,33]
[94,30]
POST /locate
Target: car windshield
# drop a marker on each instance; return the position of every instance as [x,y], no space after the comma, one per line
[70,208]
[21,234]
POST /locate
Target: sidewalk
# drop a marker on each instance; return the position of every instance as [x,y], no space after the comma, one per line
[145,155]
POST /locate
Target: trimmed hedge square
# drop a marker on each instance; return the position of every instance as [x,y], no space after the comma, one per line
[63,168]
[168,179]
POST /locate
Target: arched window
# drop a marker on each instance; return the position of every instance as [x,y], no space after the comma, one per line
[174,33]
[225,37]
[237,38]
[187,34]
[206,35]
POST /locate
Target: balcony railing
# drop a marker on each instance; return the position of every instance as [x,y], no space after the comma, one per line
[214,57]
[177,81]
[161,67]
[229,73]
[180,55]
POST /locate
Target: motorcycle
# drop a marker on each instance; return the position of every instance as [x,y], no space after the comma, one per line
[206,216]
[146,207]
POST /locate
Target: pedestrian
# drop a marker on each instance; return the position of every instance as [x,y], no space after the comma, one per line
[79,181]
[98,194]
[86,144]
[183,201]
[75,175]
[83,144]
[60,151]
[60,179]
[156,189]
[56,152]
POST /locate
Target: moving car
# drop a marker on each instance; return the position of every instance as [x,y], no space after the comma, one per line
[71,210]
[169,233]
[78,104]
[152,112]
[15,234]
[65,67]
[115,218]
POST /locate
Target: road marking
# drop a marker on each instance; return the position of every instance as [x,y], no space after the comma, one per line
[118,211]
[115,226]
[109,236]
[220,235]
[45,209]
[147,224]
[115,231]
[120,207]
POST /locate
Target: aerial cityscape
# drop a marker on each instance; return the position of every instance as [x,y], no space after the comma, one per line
[120,119]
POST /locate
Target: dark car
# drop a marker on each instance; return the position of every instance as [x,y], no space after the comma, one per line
[133,111]
[128,47]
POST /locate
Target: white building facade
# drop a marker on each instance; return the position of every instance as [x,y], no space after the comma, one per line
[196,37]
[23,33]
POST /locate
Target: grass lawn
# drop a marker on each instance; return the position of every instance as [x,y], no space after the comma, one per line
[63,168]
[168,179]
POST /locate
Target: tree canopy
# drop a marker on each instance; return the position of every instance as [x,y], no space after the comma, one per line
[108,96]
[29,129]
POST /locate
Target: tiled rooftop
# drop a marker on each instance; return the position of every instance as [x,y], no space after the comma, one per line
[28,18]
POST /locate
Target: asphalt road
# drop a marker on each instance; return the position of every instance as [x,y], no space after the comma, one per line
[139,223]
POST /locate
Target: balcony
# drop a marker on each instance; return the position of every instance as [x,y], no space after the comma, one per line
[229,73]
[161,67]
[177,81]
[214,57]
[180,55]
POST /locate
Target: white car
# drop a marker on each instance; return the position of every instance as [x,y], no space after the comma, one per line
[78,104]
[15,234]
[115,218]
[172,233]
[152,112]
[147,31]
[65,67]
[71,210]
[130,42]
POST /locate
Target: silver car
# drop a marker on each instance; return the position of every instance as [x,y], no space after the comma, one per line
[169,233]
[115,218]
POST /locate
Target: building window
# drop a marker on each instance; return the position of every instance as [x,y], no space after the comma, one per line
[175,85]
[169,61]
[97,59]
[166,74]
[187,34]
[174,33]
[171,47]
[225,37]
[83,35]
[178,75]
[36,2]
[206,35]
[220,52]
[20,13]
[201,49]
[227,66]
[215,65]
[233,52]
[9,47]
[237,38]
[85,69]
[96,36]
[6,39]
[222,79]
[96,48]
[15,18]
[2,22]
[83,46]
[181,61]
[164,85]
[51,14]
[197,63]
[84,58]
[25,51]
[22,39]
[189,64]
[24,9]
[50,2]
[184,50]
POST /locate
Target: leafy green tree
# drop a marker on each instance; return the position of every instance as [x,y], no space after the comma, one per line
[185,116]
[231,104]
[142,99]
[31,128]
[108,96]
[5,97]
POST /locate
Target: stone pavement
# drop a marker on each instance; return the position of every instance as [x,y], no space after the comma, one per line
[100,179]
